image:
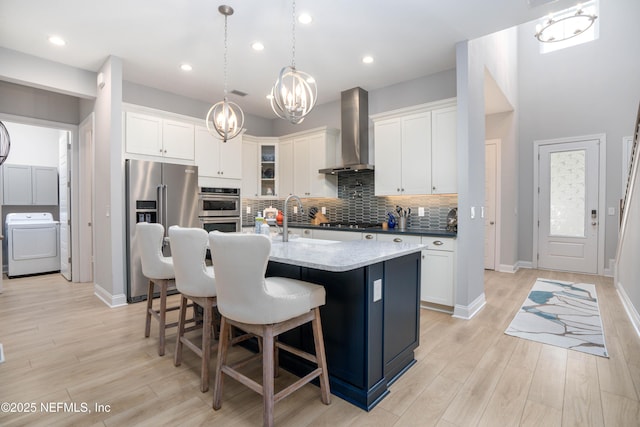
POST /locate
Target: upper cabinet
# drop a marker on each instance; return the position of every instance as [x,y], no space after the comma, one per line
[260,167]
[443,151]
[311,152]
[289,165]
[415,150]
[151,135]
[217,159]
[30,185]
[403,155]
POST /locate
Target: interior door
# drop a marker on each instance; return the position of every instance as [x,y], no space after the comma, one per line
[85,191]
[490,191]
[64,205]
[568,206]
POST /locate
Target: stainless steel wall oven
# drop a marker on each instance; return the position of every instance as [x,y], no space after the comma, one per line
[219,209]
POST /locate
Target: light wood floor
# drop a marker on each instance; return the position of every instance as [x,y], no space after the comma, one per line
[63,345]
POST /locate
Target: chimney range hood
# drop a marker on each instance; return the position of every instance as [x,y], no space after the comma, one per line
[354,107]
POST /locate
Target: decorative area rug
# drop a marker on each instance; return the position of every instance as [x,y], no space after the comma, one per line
[563,314]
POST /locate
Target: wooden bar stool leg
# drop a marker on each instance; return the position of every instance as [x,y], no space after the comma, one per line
[267,375]
[147,327]
[206,346]
[163,316]
[223,346]
[177,358]
[318,341]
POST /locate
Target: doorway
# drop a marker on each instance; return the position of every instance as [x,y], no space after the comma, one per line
[492,203]
[86,201]
[569,180]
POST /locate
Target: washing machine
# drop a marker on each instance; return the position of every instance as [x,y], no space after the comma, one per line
[33,243]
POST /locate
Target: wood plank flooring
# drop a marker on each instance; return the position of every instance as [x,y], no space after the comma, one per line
[63,346]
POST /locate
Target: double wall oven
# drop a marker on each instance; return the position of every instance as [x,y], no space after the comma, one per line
[219,209]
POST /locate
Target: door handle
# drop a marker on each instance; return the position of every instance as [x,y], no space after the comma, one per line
[491,222]
[594,223]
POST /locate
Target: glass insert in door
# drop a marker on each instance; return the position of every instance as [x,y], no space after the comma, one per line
[567,193]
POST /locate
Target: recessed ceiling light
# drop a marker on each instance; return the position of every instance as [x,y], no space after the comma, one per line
[58,41]
[367,59]
[186,67]
[305,18]
[257,46]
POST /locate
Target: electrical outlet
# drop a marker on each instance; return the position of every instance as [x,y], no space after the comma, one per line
[377,290]
[473,212]
[420,211]
[248,209]
[295,209]
[323,210]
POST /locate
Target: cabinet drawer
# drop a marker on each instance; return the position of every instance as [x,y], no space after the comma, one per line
[439,243]
[398,238]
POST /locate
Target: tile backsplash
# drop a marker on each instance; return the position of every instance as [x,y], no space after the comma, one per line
[356,201]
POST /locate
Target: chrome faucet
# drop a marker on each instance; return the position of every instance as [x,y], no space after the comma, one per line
[285,223]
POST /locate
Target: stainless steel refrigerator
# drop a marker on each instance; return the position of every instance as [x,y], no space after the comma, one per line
[165,193]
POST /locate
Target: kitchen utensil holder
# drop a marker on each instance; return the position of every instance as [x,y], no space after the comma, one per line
[402,223]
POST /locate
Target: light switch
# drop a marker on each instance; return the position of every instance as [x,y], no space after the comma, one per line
[323,210]
[420,211]
[377,290]
[248,209]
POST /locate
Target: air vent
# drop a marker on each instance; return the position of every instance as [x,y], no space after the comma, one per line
[238,93]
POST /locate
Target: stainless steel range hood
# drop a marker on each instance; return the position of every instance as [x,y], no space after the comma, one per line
[355,132]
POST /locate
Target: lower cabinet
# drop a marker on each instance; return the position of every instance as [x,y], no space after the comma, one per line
[438,271]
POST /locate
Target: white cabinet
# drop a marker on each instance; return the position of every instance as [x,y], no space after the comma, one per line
[260,164]
[311,152]
[403,155]
[285,171]
[415,150]
[438,271]
[30,185]
[398,238]
[444,151]
[341,236]
[156,136]
[217,159]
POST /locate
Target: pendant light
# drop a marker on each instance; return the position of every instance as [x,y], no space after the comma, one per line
[225,119]
[5,143]
[565,26]
[295,92]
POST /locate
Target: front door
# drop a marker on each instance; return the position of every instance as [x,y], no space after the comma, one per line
[568,177]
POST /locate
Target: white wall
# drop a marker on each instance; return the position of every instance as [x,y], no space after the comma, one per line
[33,145]
[587,89]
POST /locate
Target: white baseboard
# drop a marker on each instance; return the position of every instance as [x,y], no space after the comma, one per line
[524,264]
[506,268]
[110,300]
[629,308]
[610,272]
[466,312]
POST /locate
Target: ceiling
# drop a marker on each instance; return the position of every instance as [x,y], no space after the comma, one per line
[408,39]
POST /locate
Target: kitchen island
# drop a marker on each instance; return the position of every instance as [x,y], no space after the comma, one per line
[371,317]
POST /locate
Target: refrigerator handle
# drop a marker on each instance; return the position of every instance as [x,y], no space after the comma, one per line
[160,207]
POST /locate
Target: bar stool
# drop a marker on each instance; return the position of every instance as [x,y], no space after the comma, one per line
[159,270]
[265,307]
[195,281]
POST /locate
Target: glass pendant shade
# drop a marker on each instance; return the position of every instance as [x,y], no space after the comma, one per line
[294,95]
[5,143]
[225,119]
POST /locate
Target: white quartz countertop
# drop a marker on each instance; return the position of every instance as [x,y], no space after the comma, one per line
[332,255]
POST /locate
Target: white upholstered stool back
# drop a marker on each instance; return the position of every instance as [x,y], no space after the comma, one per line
[188,248]
[154,264]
